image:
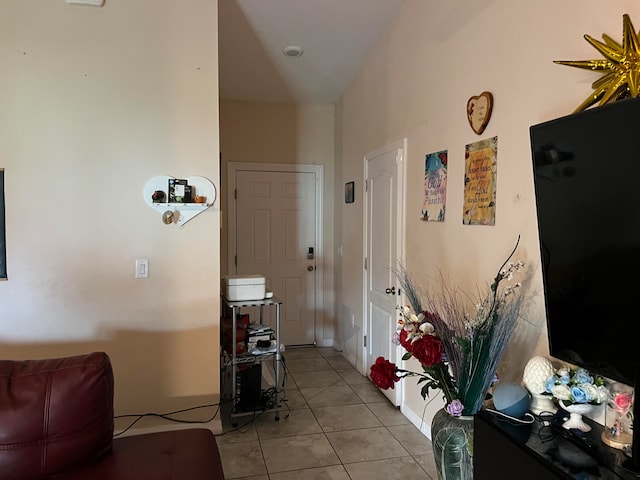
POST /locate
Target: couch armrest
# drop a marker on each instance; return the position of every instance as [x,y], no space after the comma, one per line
[55,414]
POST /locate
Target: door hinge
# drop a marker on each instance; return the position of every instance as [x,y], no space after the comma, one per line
[366,263]
[365,340]
[366,185]
[235,194]
[235,260]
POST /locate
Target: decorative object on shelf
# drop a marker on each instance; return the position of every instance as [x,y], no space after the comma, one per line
[576,390]
[158,196]
[349,189]
[576,411]
[620,67]
[167,217]
[479,110]
[178,190]
[452,445]
[159,189]
[511,399]
[618,424]
[536,372]
[459,351]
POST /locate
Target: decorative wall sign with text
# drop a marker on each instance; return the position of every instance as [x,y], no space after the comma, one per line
[480,171]
[435,187]
[479,111]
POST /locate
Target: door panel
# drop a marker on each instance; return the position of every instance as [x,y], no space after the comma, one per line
[383,247]
[275,227]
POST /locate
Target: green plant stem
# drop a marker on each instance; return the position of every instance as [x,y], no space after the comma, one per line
[439,373]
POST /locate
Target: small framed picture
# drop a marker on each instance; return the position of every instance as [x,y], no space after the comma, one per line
[348,192]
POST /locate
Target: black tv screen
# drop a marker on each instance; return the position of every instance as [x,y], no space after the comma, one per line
[587,183]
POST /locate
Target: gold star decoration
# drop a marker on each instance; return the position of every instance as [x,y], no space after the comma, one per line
[621,67]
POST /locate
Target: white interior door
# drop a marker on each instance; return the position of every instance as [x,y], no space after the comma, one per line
[276,235]
[383,241]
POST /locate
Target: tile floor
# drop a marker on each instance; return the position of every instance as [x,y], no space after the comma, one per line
[339,427]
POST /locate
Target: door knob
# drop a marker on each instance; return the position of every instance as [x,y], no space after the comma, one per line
[391,291]
[310,268]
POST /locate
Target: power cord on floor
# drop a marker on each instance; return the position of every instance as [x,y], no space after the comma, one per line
[168,416]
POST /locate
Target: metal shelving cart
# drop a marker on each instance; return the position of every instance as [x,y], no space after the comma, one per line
[233,360]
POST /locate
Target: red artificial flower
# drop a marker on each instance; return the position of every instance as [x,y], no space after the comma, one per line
[383,373]
[428,350]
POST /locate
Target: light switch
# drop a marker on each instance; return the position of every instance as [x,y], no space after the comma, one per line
[142,268]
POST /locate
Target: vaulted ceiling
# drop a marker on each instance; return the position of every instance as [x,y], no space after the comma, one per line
[334,35]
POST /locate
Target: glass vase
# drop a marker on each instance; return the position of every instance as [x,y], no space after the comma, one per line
[452,441]
[618,417]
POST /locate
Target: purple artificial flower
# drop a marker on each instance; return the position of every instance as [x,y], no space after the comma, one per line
[396,339]
[455,408]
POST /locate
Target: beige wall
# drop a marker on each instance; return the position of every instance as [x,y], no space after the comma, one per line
[285,133]
[95,102]
[415,84]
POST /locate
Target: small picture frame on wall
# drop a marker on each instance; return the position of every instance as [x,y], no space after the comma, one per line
[348,192]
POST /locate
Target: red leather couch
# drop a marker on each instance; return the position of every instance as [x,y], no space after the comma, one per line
[56,422]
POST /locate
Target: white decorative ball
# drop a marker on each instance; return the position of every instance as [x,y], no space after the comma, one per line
[536,373]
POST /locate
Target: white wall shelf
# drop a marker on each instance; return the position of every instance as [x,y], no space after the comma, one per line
[179,213]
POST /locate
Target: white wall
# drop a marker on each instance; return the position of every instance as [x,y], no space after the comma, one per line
[415,84]
[95,101]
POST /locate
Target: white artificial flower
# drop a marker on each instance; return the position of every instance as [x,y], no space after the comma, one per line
[561,392]
[591,390]
[427,328]
[603,394]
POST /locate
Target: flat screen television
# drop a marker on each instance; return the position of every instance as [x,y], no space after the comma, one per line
[587,185]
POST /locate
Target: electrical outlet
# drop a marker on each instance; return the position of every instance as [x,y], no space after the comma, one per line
[142,268]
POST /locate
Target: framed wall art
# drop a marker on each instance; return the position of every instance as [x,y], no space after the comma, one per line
[481,159]
[349,192]
[435,187]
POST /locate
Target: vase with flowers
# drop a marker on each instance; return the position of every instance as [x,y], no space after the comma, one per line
[576,391]
[459,348]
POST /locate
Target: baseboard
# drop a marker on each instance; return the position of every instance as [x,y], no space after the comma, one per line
[326,343]
[422,419]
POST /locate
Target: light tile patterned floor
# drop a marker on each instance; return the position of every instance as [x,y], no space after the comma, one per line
[338,426]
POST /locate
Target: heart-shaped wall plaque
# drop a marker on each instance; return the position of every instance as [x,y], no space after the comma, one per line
[479,111]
